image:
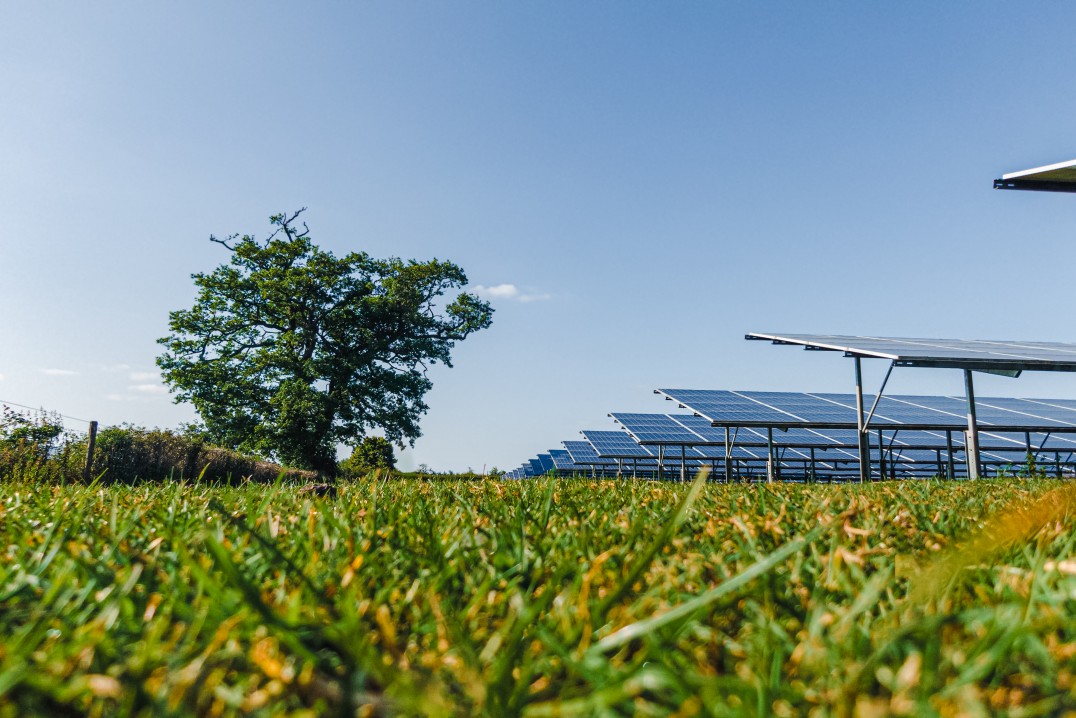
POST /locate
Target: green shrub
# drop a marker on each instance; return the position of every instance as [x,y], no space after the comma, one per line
[128,454]
[36,449]
[374,452]
[31,444]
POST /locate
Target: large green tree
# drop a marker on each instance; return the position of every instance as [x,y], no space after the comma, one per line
[289,350]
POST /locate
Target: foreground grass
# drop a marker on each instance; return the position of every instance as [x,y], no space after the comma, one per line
[545,598]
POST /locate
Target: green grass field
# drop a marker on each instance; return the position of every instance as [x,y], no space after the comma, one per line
[542,598]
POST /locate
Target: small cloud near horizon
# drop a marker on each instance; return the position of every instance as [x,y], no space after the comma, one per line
[148,389]
[144,375]
[59,372]
[511,292]
[115,367]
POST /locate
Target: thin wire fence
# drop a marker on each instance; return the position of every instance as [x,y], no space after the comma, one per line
[43,410]
[39,443]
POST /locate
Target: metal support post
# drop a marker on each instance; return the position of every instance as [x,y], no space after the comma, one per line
[864,447]
[661,460]
[683,463]
[971,448]
[881,456]
[814,476]
[769,454]
[728,458]
[949,462]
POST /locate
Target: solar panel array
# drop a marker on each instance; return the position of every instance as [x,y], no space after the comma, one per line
[802,435]
[811,435]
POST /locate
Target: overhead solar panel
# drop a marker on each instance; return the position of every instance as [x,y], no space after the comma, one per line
[976,354]
[1060,177]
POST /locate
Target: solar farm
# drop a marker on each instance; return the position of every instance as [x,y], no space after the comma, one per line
[732,553]
[809,437]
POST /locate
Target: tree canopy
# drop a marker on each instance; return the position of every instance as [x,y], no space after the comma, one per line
[290,350]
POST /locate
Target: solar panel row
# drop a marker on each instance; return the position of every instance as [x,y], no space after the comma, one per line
[682,443]
[913,433]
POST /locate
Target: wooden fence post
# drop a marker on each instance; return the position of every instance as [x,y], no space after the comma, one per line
[89,451]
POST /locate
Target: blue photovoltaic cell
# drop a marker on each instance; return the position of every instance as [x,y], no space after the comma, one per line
[701,427]
[615,445]
[563,460]
[547,462]
[1066,408]
[656,427]
[583,453]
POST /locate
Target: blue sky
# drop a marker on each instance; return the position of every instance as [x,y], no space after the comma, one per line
[654,180]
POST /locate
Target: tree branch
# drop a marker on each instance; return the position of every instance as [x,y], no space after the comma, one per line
[224,242]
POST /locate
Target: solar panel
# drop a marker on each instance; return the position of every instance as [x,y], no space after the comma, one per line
[658,428]
[615,445]
[562,460]
[1060,177]
[547,463]
[583,453]
[983,355]
[838,411]
[700,426]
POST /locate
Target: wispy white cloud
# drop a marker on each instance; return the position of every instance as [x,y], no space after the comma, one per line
[59,372]
[497,291]
[144,376]
[510,292]
[541,297]
[148,389]
[116,367]
[1,377]
[115,397]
